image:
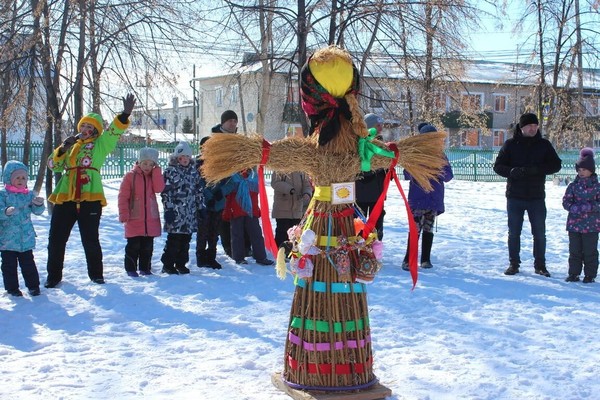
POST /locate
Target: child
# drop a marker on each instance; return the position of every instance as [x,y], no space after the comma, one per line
[182,201]
[17,236]
[138,210]
[209,221]
[426,206]
[582,201]
[242,212]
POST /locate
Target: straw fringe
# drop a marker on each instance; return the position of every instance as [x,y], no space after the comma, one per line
[225,154]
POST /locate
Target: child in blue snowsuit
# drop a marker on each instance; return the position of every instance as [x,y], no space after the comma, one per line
[17,236]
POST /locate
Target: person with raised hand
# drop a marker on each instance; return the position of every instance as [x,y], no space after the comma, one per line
[79,195]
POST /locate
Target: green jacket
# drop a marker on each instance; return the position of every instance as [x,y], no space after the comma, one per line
[80,165]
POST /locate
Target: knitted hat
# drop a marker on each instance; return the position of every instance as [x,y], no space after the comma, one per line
[372,119]
[227,115]
[94,119]
[586,160]
[527,119]
[10,168]
[182,149]
[426,128]
[148,153]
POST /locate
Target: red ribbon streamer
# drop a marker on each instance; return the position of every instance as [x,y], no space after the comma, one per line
[265,214]
[413,233]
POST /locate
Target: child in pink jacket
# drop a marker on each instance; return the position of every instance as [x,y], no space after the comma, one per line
[138,210]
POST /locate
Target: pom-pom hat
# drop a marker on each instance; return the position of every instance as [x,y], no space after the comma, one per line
[94,119]
[148,153]
[586,160]
[10,168]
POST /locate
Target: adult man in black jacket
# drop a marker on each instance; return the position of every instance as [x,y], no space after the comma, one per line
[526,159]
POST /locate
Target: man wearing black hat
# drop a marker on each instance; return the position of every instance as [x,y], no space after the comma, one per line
[229,121]
[525,160]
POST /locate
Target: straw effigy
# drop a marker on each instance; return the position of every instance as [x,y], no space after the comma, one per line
[328,344]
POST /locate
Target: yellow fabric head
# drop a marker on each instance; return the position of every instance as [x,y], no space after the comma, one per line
[334,74]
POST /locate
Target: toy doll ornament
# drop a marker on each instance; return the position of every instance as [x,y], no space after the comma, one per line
[328,345]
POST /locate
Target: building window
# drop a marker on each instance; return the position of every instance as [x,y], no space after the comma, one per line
[591,107]
[500,103]
[471,102]
[499,137]
[440,102]
[404,100]
[596,139]
[470,137]
[235,94]
[525,104]
[376,98]
[219,97]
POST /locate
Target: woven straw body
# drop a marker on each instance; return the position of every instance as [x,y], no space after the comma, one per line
[328,345]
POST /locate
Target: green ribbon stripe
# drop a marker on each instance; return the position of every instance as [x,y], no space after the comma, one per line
[323,326]
[336,287]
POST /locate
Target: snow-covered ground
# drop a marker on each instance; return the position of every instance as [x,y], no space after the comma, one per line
[466,332]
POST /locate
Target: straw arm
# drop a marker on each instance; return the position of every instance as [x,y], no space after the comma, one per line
[421,155]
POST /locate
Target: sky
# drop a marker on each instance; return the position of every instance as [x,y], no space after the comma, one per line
[466,331]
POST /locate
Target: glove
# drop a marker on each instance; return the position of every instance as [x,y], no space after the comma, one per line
[37,201]
[170,216]
[10,211]
[128,104]
[517,172]
[67,144]
[531,171]
[210,203]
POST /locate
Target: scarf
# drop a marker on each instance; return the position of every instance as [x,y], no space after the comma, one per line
[322,108]
[244,186]
[14,189]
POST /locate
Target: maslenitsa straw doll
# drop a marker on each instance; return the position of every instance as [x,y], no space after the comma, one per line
[328,345]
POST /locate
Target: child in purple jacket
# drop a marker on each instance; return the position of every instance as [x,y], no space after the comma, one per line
[426,206]
[582,201]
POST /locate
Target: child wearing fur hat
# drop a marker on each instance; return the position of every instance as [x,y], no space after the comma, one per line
[17,235]
[79,195]
[138,211]
[582,201]
[182,200]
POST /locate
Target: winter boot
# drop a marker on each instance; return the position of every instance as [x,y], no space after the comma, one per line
[513,269]
[211,259]
[426,244]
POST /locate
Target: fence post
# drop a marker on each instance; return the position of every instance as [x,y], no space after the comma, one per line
[475,165]
[121,160]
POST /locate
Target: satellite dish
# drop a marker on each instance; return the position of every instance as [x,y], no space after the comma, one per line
[250,117]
